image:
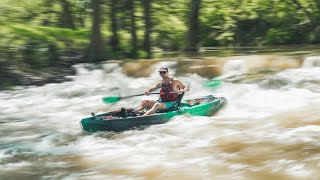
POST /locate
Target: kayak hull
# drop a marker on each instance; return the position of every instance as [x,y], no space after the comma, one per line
[207,106]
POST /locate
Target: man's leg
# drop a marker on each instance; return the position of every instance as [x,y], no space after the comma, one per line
[144,104]
[155,108]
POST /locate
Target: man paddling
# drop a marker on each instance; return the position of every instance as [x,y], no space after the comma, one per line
[170,89]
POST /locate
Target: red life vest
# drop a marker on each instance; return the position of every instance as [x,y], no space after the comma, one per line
[165,92]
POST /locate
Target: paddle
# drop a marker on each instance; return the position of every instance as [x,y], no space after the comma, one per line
[114,99]
[214,83]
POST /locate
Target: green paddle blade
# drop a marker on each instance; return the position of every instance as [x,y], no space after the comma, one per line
[214,83]
[111,99]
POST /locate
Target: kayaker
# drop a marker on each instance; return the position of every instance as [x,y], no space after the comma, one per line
[169,87]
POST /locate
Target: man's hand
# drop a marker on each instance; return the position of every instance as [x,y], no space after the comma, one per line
[147,93]
[181,91]
[186,89]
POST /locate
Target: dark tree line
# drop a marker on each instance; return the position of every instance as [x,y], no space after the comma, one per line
[97,45]
[136,28]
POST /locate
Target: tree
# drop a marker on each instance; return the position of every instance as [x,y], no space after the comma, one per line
[193,26]
[148,26]
[133,28]
[95,47]
[114,38]
[66,15]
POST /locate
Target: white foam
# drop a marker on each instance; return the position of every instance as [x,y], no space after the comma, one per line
[14,166]
[45,120]
[313,61]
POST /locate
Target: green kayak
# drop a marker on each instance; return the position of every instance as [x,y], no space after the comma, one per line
[125,119]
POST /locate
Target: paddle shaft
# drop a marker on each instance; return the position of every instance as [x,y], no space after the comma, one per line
[125,97]
[117,98]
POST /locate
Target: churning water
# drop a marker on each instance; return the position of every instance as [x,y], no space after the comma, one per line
[269,129]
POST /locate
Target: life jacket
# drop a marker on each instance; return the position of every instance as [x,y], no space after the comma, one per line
[165,92]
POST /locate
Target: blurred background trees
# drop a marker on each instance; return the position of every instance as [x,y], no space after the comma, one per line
[132,29]
[38,34]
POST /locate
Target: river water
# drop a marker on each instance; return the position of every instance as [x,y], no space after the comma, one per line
[269,129]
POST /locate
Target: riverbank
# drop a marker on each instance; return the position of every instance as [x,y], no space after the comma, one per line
[37,55]
[12,74]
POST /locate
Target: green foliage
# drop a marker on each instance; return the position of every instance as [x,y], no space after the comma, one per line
[40,54]
[32,38]
[258,22]
[277,37]
[169,34]
[26,24]
[39,46]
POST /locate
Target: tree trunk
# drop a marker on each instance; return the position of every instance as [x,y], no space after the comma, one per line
[193,26]
[114,38]
[81,17]
[66,15]
[133,29]
[95,48]
[148,26]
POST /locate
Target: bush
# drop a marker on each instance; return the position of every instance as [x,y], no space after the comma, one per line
[40,54]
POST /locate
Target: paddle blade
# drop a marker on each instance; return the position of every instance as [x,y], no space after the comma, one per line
[215,83]
[111,99]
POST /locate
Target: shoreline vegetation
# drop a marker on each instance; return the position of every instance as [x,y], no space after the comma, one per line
[41,40]
[36,55]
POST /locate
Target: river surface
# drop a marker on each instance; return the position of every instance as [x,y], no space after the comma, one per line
[269,129]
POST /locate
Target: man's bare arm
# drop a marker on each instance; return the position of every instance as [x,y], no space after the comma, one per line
[157,86]
[179,86]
